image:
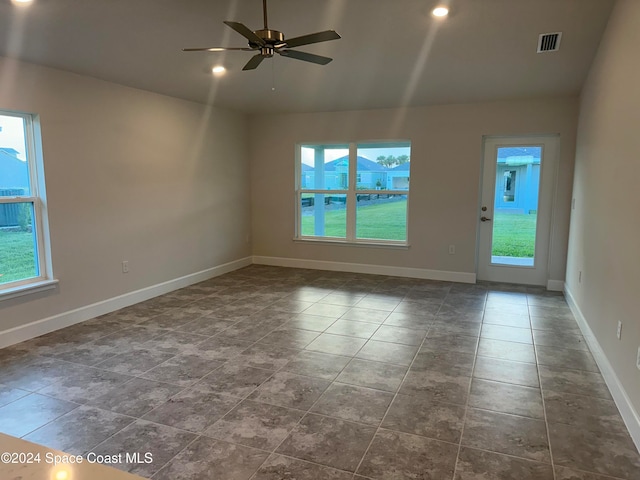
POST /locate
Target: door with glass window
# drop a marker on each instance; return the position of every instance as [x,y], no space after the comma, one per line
[518,179]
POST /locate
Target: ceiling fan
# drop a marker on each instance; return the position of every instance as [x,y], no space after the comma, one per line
[269,42]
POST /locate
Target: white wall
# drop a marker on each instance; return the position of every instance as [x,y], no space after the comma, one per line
[605,226]
[131,175]
[445,171]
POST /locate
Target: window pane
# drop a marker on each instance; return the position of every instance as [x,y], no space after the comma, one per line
[323,215]
[324,167]
[381,217]
[14,171]
[18,258]
[383,166]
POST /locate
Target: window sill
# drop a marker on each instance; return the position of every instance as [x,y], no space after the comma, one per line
[346,243]
[28,289]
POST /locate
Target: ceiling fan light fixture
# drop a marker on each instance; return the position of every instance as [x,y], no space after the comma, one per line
[440,12]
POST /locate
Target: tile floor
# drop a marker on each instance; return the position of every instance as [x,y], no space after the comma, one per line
[270,373]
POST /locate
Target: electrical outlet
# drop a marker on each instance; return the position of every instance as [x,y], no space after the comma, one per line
[125,266]
[452,249]
[619,331]
[638,359]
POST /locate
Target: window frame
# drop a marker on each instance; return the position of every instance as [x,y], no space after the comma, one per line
[350,193]
[37,198]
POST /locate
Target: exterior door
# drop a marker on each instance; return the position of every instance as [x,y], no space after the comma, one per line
[518,179]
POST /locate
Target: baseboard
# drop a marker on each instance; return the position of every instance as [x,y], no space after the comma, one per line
[555,285]
[628,413]
[56,322]
[461,277]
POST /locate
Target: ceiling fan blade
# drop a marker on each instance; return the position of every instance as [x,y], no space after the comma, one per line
[253,62]
[312,38]
[246,32]
[304,56]
[217,49]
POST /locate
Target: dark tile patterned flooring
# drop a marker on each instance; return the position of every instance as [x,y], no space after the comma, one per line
[270,373]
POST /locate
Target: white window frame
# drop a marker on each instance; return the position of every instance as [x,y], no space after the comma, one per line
[350,193]
[37,197]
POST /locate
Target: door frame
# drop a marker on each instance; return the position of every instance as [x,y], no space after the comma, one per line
[546,206]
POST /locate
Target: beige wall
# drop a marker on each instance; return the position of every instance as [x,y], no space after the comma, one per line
[131,175]
[605,225]
[445,172]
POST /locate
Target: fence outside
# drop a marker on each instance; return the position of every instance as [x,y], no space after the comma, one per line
[10,212]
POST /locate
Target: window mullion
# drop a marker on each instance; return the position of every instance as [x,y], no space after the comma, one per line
[351,194]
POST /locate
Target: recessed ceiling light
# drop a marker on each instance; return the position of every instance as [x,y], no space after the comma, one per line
[218,70]
[21,2]
[440,12]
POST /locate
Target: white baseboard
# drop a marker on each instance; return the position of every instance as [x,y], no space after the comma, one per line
[555,285]
[56,322]
[628,413]
[461,277]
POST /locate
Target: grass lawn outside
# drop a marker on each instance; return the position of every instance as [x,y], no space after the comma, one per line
[17,256]
[514,235]
[380,221]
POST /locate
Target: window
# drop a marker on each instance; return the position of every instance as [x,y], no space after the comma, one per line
[354,192]
[23,263]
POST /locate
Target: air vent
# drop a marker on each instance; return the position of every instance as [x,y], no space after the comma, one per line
[549,42]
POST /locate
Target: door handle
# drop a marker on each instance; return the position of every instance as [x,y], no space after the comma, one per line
[484,219]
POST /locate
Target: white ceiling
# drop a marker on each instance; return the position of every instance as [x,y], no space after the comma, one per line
[392,52]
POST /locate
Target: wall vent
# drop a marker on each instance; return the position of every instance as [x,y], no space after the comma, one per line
[549,42]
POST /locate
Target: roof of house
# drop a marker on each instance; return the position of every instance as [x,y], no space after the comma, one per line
[403,167]
[364,165]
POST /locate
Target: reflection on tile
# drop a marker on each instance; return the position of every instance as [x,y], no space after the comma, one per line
[509,434]
[289,338]
[380,376]
[506,371]
[506,398]
[352,328]
[8,395]
[328,441]
[451,342]
[397,456]
[313,364]
[289,390]
[313,323]
[506,334]
[79,430]
[84,385]
[497,318]
[278,467]
[194,409]
[388,352]
[421,417]
[517,352]
[326,310]
[31,412]
[558,325]
[142,437]
[359,314]
[356,404]
[336,344]
[405,336]
[255,425]
[408,320]
[478,465]
[607,453]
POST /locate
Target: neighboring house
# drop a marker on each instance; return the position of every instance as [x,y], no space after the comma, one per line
[370,175]
[398,177]
[517,180]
